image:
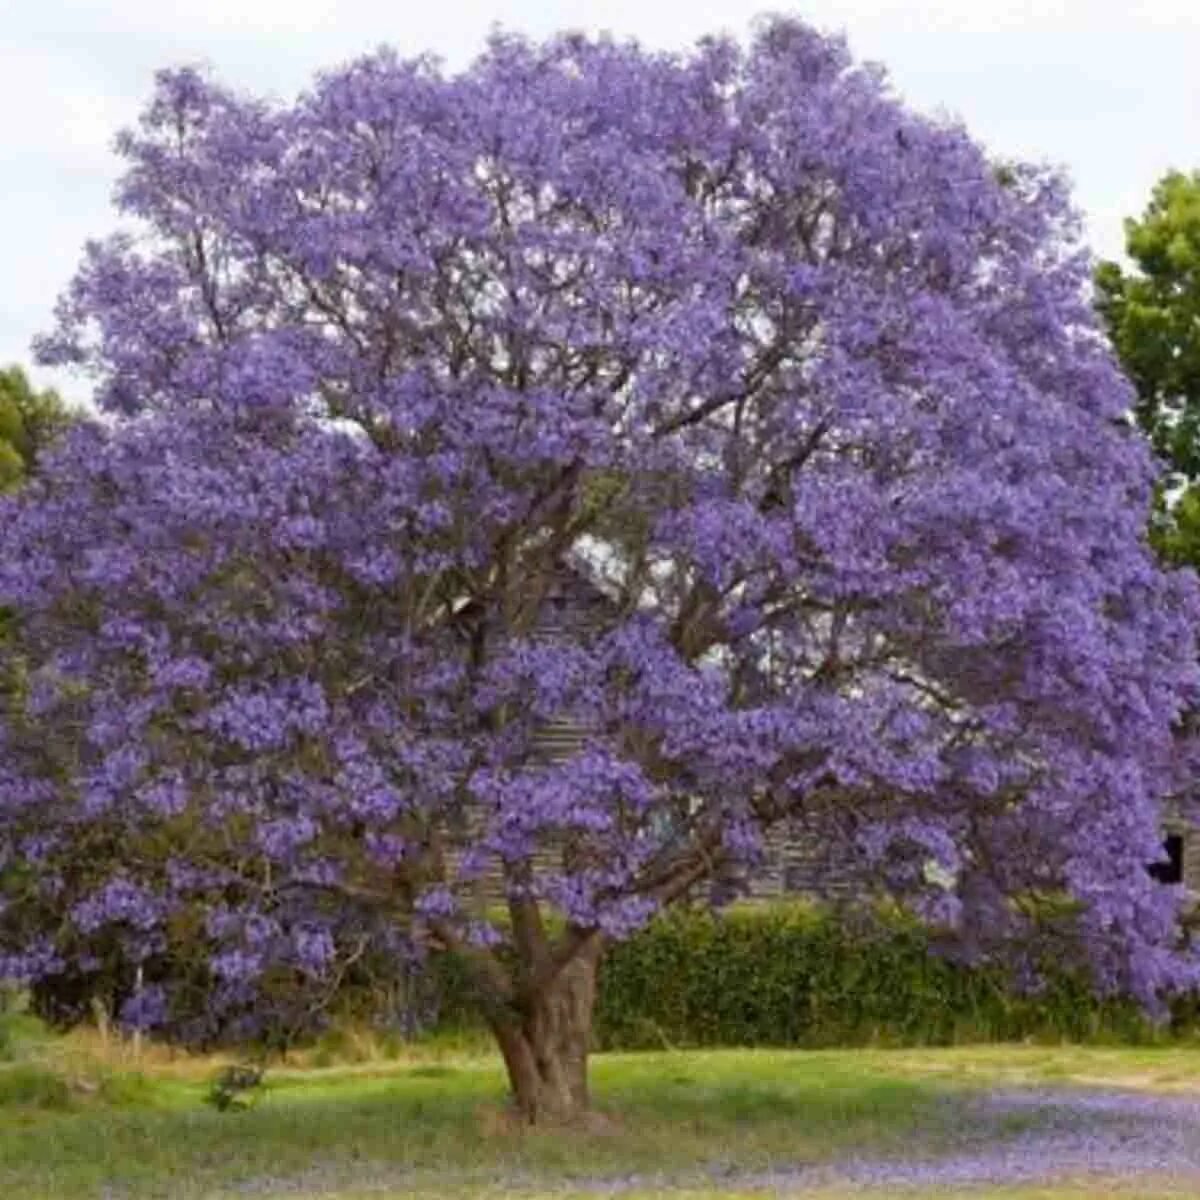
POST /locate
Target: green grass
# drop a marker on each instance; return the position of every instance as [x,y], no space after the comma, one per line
[76,1122]
[670,1113]
[32,1087]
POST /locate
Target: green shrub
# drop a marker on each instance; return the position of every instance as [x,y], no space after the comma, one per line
[28,1086]
[235,1088]
[794,974]
[18,1031]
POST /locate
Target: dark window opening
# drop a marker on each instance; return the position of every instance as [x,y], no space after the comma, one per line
[1169,869]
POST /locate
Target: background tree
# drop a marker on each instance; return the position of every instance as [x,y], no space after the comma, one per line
[1152,315]
[789,372]
[29,422]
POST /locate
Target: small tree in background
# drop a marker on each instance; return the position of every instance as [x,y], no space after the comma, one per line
[1152,315]
[29,422]
[810,388]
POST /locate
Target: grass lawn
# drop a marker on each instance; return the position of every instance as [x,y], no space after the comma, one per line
[75,1122]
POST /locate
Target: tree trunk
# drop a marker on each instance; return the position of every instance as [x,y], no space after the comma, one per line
[545,1049]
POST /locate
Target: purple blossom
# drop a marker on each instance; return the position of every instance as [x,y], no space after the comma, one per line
[145,1009]
[714,406]
[236,966]
[314,949]
[119,901]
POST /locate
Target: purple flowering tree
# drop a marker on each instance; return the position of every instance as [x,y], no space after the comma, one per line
[806,385]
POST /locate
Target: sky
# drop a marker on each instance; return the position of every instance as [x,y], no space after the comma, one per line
[1109,91]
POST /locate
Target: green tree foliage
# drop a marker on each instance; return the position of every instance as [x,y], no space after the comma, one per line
[1152,313]
[29,422]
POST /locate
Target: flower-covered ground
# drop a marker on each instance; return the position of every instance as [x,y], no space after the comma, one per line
[80,1119]
[1037,1136]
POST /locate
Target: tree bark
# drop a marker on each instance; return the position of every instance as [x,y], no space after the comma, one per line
[545,1047]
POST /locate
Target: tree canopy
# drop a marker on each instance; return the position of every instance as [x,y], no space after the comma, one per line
[1152,315]
[29,421]
[799,379]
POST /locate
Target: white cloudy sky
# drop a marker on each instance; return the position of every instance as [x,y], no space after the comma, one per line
[1110,90]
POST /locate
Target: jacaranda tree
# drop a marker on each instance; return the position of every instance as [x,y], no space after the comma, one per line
[803,381]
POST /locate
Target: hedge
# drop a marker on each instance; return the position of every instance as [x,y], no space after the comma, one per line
[796,975]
